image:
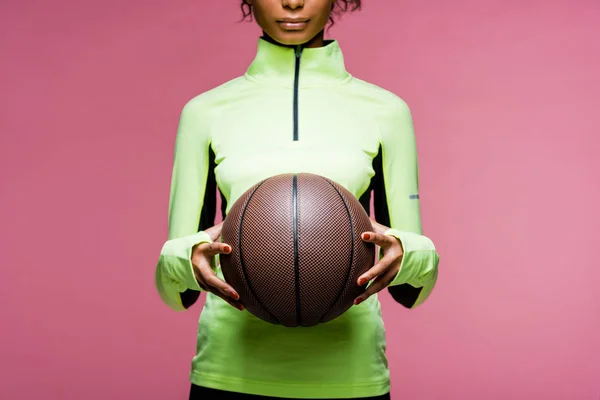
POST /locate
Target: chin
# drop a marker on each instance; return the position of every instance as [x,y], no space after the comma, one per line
[291,42]
[292,38]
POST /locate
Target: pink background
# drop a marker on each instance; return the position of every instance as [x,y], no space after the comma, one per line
[505,96]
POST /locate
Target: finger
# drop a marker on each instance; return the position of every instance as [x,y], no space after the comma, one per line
[205,287]
[228,300]
[374,271]
[200,280]
[379,239]
[378,284]
[212,281]
[198,275]
[212,249]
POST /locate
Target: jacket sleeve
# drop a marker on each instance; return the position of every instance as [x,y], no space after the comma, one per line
[174,274]
[396,201]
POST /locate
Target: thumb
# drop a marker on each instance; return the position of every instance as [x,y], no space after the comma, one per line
[379,228]
[214,232]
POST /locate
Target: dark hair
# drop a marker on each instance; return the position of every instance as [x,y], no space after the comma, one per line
[340,7]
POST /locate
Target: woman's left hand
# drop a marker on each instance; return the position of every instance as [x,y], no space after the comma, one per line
[384,271]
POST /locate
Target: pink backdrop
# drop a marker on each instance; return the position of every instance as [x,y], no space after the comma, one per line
[505,96]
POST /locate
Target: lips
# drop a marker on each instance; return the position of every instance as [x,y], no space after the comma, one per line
[293,24]
[293,20]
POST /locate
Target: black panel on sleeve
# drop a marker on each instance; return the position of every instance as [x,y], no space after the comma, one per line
[404,294]
[207,219]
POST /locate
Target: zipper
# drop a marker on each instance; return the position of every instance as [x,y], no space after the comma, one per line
[298,56]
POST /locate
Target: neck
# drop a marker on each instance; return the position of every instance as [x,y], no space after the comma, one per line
[317,41]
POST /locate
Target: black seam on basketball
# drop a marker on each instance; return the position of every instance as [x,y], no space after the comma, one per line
[296,263]
[346,281]
[250,289]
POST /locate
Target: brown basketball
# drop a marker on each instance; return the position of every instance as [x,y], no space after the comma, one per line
[296,249]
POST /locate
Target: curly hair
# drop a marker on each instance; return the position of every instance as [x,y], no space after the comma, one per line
[340,7]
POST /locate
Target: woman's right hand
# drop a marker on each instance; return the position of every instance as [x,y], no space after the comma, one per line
[207,279]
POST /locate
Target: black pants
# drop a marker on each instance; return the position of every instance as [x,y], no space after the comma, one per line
[202,393]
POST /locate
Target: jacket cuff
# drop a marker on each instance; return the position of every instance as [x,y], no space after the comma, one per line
[418,259]
[176,259]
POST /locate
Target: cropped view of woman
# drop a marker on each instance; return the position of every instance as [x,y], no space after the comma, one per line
[295,109]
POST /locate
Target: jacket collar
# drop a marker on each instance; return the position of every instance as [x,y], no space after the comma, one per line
[320,66]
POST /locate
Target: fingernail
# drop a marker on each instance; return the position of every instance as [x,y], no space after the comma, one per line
[227,249]
[358,301]
[234,295]
[366,236]
[240,307]
[362,281]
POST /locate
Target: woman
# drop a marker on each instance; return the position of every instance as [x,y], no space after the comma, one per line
[296,109]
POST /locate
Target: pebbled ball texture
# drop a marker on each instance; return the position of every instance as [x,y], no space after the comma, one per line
[296,249]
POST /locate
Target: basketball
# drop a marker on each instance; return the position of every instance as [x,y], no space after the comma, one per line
[297,251]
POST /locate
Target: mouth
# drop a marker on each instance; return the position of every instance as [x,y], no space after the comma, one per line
[293,24]
[293,20]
